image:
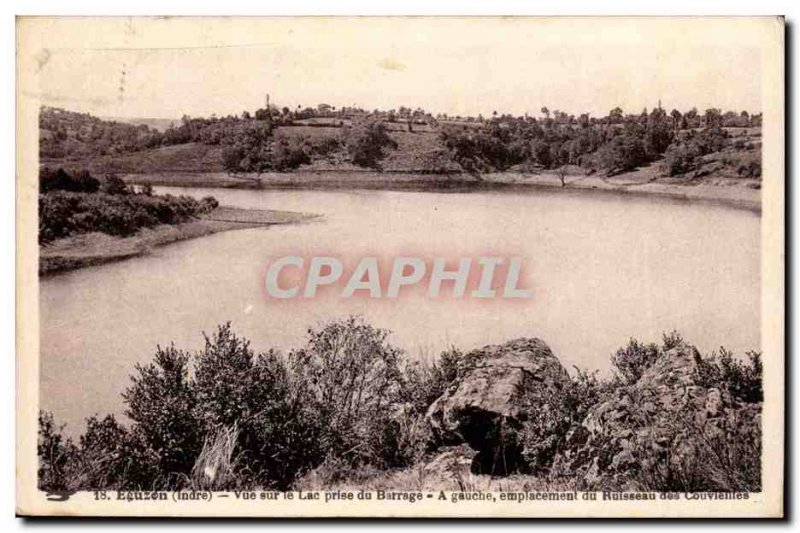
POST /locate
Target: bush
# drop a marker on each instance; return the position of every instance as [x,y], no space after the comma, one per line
[425,381]
[681,158]
[744,380]
[163,405]
[353,375]
[255,393]
[55,453]
[555,413]
[110,456]
[703,457]
[623,153]
[631,361]
[367,142]
[288,154]
[751,169]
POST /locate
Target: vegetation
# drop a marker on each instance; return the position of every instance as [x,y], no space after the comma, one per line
[78,203]
[347,406]
[367,141]
[267,140]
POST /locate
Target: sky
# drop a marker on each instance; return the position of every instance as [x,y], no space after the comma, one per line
[167,67]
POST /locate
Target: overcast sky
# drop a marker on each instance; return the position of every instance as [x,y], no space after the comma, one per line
[165,68]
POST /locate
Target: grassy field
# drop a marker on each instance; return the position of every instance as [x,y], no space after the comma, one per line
[190,157]
[89,249]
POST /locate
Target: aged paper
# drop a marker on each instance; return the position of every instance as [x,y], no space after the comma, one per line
[400,267]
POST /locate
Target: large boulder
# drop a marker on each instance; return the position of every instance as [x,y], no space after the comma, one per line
[665,430]
[488,403]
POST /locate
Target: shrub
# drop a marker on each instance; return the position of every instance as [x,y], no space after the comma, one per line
[55,453]
[551,414]
[288,154]
[681,158]
[162,403]
[110,456]
[703,457]
[353,375]
[424,381]
[621,154]
[254,393]
[751,169]
[631,361]
[208,203]
[744,380]
[367,142]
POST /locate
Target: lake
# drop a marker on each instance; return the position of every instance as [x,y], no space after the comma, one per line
[602,267]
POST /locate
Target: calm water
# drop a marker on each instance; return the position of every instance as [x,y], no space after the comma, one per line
[603,268]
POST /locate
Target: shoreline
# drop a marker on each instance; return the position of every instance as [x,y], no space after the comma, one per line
[741,194]
[92,249]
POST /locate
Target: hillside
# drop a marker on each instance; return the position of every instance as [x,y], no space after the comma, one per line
[714,149]
[159,124]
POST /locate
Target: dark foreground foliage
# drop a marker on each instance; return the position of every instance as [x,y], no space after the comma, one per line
[78,203]
[346,405]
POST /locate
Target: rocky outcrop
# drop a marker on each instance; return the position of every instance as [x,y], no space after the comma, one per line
[488,403]
[516,408]
[664,428]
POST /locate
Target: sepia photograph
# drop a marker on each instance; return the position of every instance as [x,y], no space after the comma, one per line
[400,266]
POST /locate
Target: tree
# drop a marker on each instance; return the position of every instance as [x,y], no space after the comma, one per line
[249,150]
[659,133]
[713,118]
[367,141]
[562,175]
[676,119]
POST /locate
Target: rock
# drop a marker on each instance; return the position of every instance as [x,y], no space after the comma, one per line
[714,403]
[666,419]
[450,462]
[485,406]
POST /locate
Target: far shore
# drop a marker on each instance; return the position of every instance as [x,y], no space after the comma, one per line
[744,194]
[91,249]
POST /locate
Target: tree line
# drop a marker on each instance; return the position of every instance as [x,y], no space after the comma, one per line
[615,143]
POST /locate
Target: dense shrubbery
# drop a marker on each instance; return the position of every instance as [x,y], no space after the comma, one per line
[345,404]
[334,400]
[79,203]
